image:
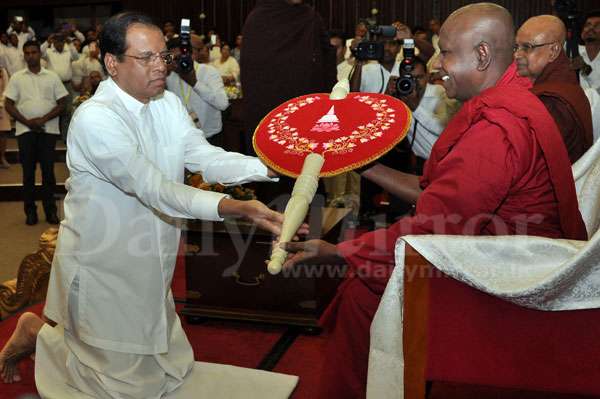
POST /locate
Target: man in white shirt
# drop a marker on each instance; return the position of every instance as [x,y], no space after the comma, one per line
[87,63]
[431,111]
[588,61]
[201,91]
[24,32]
[35,97]
[117,332]
[13,56]
[59,56]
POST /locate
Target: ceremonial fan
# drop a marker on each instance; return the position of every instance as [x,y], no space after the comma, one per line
[325,135]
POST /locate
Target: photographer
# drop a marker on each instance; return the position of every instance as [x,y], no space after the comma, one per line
[431,109]
[201,90]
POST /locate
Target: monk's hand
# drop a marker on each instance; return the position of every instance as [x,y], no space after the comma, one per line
[311,251]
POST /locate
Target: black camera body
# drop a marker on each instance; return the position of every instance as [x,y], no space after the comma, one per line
[406,83]
[185,63]
[370,48]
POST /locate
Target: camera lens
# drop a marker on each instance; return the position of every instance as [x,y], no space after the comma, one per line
[404,86]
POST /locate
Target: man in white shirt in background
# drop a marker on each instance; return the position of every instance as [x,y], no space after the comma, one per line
[13,56]
[201,91]
[59,55]
[35,97]
[200,51]
[117,333]
[22,30]
[431,109]
[87,63]
[588,61]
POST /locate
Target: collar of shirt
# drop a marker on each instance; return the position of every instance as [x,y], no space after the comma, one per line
[43,71]
[133,105]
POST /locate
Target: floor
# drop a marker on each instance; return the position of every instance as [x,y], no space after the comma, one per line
[17,239]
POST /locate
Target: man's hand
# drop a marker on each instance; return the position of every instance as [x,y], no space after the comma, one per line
[188,77]
[311,251]
[36,124]
[258,213]
[578,63]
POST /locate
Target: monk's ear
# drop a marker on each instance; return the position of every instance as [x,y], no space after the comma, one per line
[484,56]
[555,49]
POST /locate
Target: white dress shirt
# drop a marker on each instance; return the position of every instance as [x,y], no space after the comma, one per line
[35,94]
[593,79]
[228,68]
[83,66]
[430,119]
[23,36]
[13,60]
[374,78]
[123,210]
[60,62]
[206,99]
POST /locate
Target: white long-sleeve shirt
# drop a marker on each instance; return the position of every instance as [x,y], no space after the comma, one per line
[206,99]
[123,210]
[430,119]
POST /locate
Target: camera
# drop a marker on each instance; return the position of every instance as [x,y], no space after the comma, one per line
[370,48]
[185,63]
[406,82]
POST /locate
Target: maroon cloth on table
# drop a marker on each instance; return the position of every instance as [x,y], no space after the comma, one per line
[286,55]
[501,159]
[557,87]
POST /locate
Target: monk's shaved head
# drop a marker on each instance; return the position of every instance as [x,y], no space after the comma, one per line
[539,42]
[476,43]
[547,27]
[484,22]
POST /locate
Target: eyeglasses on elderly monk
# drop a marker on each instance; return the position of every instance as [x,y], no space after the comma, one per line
[146,59]
[529,47]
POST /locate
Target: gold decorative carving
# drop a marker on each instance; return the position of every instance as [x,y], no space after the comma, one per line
[31,283]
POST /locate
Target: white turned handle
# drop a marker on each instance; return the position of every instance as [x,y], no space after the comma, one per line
[297,207]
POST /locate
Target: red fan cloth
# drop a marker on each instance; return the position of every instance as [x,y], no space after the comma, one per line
[349,133]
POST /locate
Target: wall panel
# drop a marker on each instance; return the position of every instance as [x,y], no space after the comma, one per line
[227,16]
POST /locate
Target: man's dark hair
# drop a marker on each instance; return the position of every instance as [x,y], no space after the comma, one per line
[113,37]
[30,43]
[592,14]
[336,33]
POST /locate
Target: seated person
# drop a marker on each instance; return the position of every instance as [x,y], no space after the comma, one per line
[227,66]
[488,174]
[540,56]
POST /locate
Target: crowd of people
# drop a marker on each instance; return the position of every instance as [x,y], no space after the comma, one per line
[498,119]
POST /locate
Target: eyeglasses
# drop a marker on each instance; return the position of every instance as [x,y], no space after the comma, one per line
[165,56]
[529,47]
